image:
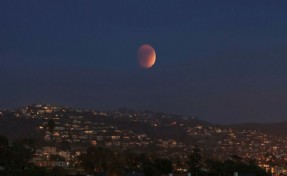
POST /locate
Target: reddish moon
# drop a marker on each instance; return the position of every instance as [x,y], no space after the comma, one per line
[146,56]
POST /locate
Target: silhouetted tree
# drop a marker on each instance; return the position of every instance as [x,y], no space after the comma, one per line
[215,167]
[194,161]
[116,165]
[3,142]
[132,161]
[28,143]
[33,170]
[164,165]
[51,125]
[59,171]
[95,159]
[149,168]
[236,158]
[65,146]
[14,158]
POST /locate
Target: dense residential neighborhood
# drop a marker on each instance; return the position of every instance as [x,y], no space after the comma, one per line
[65,134]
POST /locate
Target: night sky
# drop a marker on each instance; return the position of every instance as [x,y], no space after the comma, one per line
[223,61]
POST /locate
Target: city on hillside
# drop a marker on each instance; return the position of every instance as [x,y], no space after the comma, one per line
[63,135]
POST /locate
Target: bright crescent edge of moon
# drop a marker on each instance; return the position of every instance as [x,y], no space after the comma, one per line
[146,56]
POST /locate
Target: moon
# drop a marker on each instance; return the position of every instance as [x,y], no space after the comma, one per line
[146,56]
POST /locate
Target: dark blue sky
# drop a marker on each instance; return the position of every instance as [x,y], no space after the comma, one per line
[223,61]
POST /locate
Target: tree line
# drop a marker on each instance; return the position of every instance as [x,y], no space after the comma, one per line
[100,160]
[15,160]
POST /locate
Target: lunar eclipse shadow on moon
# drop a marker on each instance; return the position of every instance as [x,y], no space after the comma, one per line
[146,56]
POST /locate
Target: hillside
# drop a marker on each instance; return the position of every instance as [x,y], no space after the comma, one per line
[276,129]
[166,134]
